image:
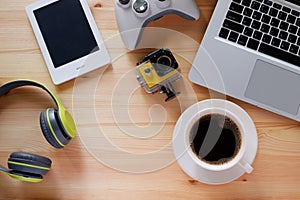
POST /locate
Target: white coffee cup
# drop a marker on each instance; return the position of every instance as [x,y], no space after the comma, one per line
[204,171]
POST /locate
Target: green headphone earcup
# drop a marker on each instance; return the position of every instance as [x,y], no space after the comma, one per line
[29,163]
[27,177]
[52,129]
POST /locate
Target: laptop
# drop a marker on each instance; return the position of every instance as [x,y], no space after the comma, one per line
[251,51]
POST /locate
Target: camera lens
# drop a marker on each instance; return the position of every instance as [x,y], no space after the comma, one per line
[124,2]
[163,65]
[165,61]
[140,6]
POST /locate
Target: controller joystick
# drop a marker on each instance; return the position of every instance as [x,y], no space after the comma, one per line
[124,3]
[163,3]
[141,8]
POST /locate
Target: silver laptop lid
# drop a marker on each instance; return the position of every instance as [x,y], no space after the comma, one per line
[247,66]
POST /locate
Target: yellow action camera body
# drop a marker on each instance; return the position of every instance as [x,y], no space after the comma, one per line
[158,71]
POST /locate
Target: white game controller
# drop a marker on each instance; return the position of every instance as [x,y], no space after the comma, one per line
[134,15]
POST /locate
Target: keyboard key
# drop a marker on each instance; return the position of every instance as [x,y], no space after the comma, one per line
[248,12]
[233,26]
[293,29]
[283,35]
[286,9]
[285,45]
[275,22]
[233,36]
[270,30]
[256,15]
[257,35]
[256,24]
[292,38]
[242,40]
[247,21]
[224,33]
[246,3]
[268,2]
[275,42]
[291,19]
[274,32]
[236,7]
[273,12]
[298,22]
[280,54]
[284,26]
[266,38]
[255,5]
[266,19]
[234,16]
[294,49]
[248,31]
[278,6]
[296,13]
[264,9]
[265,28]
[253,44]
[282,15]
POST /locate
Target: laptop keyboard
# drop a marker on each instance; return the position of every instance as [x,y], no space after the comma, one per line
[265,26]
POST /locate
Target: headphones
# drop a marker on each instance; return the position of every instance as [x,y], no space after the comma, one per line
[58,128]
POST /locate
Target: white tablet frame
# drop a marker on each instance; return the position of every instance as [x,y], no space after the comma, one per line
[92,61]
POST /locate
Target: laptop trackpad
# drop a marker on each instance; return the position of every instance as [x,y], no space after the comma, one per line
[275,87]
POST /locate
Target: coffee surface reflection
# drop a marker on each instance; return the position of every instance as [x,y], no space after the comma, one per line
[215,139]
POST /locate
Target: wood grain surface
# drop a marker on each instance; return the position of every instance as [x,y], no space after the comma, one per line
[123,149]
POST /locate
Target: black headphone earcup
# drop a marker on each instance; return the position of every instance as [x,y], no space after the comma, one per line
[29,163]
[52,129]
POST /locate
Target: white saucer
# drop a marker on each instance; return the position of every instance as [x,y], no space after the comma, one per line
[187,161]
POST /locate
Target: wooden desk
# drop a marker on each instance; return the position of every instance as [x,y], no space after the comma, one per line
[76,173]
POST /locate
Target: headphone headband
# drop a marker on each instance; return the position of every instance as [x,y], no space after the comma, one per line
[4,89]
[65,116]
[58,128]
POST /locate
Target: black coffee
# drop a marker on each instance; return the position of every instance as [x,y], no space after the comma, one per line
[215,139]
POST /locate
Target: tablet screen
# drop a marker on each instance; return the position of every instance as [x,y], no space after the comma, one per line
[66,31]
